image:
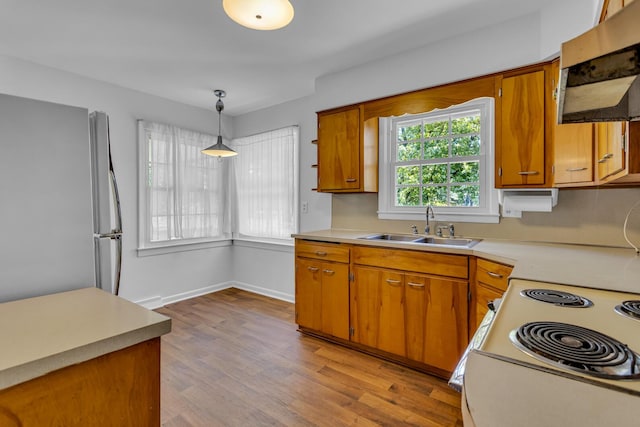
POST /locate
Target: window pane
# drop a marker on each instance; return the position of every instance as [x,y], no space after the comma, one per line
[435,129]
[408,196]
[409,151]
[409,131]
[465,195]
[465,172]
[436,149]
[434,174]
[436,196]
[470,124]
[408,175]
[466,146]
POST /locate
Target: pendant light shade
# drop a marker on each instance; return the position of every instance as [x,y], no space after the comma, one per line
[259,14]
[219,149]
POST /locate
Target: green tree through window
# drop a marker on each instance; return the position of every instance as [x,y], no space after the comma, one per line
[437,160]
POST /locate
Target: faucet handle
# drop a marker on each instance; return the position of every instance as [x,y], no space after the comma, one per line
[414,228]
[451,230]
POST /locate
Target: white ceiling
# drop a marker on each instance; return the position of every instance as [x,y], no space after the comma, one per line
[183,49]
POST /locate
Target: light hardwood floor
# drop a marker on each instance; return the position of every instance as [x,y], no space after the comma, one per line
[235,358]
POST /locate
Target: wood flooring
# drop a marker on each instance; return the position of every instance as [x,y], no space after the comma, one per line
[235,358]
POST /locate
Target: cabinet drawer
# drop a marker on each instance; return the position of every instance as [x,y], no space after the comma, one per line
[324,251]
[494,274]
[420,262]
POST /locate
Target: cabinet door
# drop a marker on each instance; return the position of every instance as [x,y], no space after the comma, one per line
[611,144]
[573,153]
[436,320]
[308,293]
[335,299]
[483,295]
[522,130]
[339,150]
[377,309]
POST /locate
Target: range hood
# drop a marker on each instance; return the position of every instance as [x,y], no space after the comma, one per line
[600,69]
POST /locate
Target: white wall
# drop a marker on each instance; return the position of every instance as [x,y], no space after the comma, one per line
[147,278]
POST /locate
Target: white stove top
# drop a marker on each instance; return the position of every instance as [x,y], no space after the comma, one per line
[516,310]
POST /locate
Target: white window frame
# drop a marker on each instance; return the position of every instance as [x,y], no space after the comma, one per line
[487,212]
[146,247]
[290,169]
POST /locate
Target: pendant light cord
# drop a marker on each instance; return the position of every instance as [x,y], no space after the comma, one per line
[624,228]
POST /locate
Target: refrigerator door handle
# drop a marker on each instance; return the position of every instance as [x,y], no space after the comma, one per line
[113,235]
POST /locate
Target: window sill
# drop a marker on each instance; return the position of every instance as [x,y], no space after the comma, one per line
[273,245]
[486,218]
[182,247]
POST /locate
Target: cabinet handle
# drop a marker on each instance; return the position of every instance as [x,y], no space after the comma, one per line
[605,157]
[496,275]
[319,253]
[329,272]
[351,179]
[576,169]
[528,173]
[314,269]
[415,285]
[393,282]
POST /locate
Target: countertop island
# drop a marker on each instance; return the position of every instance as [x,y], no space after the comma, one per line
[79,357]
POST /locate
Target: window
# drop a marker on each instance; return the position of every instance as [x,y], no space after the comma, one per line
[266,185]
[182,191]
[443,158]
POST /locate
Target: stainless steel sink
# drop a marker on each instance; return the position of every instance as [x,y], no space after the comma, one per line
[424,240]
[393,237]
[448,241]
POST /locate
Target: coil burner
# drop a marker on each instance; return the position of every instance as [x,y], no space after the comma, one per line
[559,298]
[579,349]
[630,308]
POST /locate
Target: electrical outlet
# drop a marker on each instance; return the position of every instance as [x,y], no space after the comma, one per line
[305,207]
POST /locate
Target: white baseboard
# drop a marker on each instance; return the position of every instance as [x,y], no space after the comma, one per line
[264,291]
[158,301]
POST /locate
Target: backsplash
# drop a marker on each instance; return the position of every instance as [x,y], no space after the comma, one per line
[589,216]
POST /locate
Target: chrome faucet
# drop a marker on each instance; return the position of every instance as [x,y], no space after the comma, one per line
[429,215]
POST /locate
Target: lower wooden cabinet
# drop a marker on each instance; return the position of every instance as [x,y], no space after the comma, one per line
[322,288]
[489,282]
[377,309]
[322,296]
[435,320]
[408,306]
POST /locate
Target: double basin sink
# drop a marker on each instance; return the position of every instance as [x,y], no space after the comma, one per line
[458,242]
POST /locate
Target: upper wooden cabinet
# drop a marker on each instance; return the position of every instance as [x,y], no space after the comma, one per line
[522,128]
[611,141]
[618,153]
[573,146]
[347,152]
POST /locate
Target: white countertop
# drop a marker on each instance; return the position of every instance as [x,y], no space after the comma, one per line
[579,265]
[42,334]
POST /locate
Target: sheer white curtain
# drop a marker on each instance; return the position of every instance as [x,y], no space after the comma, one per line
[265,173]
[184,190]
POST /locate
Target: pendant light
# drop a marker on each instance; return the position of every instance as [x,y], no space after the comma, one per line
[259,14]
[219,149]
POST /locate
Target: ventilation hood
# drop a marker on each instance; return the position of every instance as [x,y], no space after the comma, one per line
[599,71]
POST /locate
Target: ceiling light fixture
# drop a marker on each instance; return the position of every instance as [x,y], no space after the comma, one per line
[219,149]
[259,14]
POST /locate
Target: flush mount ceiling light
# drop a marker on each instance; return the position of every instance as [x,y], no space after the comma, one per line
[219,149]
[259,14]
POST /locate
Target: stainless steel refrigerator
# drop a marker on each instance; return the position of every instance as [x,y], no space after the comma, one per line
[60,217]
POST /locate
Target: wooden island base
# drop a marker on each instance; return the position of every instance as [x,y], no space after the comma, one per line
[121,388]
